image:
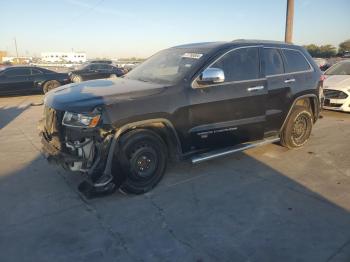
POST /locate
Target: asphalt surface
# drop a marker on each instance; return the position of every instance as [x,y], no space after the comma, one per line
[266,204]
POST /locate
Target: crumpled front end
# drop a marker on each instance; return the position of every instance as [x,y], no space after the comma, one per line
[76,149]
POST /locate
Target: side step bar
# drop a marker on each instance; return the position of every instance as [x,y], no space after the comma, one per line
[227,151]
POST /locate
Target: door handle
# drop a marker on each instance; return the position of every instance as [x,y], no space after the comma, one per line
[255,88]
[291,80]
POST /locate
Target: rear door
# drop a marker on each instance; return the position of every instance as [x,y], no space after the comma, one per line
[36,77]
[15,81]
[105,71]
[278,90]
[234,111]
[90,72]
[298,77]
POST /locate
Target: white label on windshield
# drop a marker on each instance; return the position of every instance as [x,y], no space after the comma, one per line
[192,55]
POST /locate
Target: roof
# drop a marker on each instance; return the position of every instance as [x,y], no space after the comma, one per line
[215,45]
[256,41]
[202,45]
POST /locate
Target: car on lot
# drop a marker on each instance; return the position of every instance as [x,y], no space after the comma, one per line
[346,54]
[100,61]
[322,63]
[195,101]
[337,87]
[18,80]
[92,71]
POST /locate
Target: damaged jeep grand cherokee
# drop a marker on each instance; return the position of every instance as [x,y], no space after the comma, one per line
[196,101]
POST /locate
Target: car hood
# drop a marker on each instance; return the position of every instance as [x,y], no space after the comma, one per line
[339,82]
[85,96]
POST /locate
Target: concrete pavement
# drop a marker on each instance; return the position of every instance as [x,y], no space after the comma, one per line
[266,204]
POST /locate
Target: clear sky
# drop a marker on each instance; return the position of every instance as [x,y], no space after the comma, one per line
[124,28]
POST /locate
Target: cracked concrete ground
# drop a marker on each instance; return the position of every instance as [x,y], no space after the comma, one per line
[266,204]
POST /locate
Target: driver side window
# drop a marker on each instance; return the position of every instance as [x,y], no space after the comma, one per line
[240,64]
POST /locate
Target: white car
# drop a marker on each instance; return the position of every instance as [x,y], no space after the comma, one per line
[336,87]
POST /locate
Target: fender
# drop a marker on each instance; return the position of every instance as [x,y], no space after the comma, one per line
[124,128]
[315,108]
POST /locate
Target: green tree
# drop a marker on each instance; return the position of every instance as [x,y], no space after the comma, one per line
[324,51]
[344,46]
[328,51]
[313,49]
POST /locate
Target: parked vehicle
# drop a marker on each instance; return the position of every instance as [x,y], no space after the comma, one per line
[95,71]
[322,63]
[100,61]
[27,79]
[337,87]
[346,54]
[196,101]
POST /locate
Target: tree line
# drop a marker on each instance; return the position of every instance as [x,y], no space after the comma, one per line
[326,51]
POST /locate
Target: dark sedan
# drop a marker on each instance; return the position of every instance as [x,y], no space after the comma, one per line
[20,80]
[95,71]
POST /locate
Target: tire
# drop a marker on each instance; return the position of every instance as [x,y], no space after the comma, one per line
[49,85]
[141,161]
[298,128]
[77,79]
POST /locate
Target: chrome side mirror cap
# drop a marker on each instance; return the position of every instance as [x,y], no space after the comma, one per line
[211,76]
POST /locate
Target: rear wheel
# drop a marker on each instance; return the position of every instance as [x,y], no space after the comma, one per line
[142,160]
[49,85]
[298,128]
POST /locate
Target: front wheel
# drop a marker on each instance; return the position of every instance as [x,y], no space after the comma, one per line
[298,128]
[142,160]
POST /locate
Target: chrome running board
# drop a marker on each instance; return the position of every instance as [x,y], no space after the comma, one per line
[227,151]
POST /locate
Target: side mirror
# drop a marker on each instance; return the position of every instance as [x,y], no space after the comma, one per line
[211,76]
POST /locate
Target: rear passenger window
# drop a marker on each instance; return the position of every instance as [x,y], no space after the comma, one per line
[240,64]
[295,61]
[273,62]
[36,72]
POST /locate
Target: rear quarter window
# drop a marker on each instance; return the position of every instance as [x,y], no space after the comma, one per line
[295,61]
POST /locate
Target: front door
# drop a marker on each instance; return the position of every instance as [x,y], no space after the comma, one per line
[234,111]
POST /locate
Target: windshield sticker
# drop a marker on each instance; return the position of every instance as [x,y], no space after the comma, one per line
[192,55]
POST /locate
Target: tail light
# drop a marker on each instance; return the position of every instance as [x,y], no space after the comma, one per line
[320,90]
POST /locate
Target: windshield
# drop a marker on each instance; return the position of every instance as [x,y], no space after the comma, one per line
[167,66]
[342,68]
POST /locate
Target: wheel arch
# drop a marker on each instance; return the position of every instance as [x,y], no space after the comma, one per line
[162,126]
[173,138]
[309,100]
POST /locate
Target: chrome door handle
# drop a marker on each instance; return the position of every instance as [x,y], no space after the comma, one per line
[255,88]
[291,80]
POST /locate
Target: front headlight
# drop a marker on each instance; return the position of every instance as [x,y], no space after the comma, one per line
[80,120]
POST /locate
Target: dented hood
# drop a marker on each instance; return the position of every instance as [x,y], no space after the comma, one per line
[85,96]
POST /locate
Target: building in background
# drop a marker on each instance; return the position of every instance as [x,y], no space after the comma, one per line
[63,57]
[17,60]
[2,54]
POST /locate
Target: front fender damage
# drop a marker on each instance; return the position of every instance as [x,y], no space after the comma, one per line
[87,151]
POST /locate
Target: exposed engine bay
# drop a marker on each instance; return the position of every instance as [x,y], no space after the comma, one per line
[77,149]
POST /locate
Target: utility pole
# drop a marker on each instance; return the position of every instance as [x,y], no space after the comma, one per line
[289,21]
[16,50]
